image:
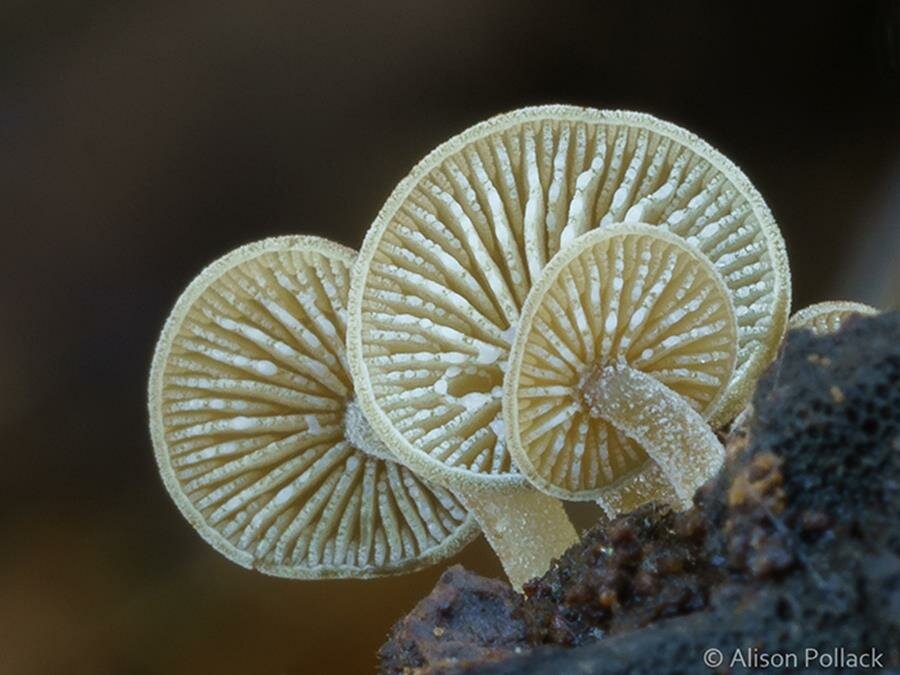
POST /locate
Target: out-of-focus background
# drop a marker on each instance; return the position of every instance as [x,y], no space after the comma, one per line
[140,140]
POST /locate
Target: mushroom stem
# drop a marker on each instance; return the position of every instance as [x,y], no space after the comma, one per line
[361,434]
[526,528]
[674,435]
[628,495]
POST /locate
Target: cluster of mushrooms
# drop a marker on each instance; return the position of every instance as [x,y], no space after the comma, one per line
[559,303]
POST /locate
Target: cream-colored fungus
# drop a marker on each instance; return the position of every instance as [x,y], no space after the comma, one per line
[827,317]
[625,347]
[257,434]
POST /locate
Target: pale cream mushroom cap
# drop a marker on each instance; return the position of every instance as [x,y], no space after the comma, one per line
[253,423]
[630,296]
[448,262]
[827,317]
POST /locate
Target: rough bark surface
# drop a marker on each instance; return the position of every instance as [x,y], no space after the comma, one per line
[795,545]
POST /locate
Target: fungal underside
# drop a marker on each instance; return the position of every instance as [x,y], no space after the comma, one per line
[451,258]
[827,317]
[626,344]
[257,436]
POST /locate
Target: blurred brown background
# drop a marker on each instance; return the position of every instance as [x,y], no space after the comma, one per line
[139,140]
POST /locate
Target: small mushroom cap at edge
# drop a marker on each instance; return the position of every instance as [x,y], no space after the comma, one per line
[827,317]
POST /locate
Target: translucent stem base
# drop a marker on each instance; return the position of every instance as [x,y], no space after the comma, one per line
[651,485]
[526,529]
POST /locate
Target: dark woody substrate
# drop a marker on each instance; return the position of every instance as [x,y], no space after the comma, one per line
[795,545]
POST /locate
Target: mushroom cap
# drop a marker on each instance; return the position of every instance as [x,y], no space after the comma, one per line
[249,394]
[827,317]
[627,294]
[448,262]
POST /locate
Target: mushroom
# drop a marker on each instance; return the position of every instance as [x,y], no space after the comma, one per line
[626,345]
[258,436]
[821,318]
[444,270]
[827,317]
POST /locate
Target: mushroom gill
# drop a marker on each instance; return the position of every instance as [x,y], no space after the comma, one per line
[625,348]
[448,262]
[256,434]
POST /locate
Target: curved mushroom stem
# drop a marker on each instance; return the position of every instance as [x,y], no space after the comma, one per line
[361,434]
[526,529]
[673,434]
[651,485]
